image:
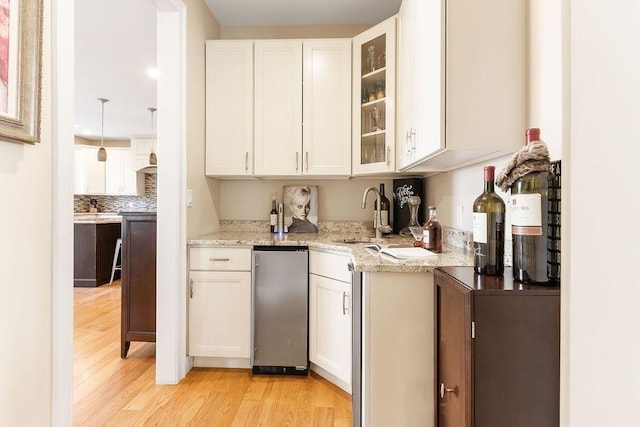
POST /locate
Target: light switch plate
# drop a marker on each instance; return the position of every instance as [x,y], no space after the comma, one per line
[189,198]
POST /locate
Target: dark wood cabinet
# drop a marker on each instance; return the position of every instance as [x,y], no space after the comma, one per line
[94,245]
[138,278]
[497,351]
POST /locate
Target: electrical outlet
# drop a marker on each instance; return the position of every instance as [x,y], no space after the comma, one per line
[459,216]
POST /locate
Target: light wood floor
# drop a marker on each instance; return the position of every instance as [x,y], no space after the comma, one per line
[115,392]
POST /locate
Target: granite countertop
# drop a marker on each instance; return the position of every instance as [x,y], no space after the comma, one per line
[96,218]
[363,259]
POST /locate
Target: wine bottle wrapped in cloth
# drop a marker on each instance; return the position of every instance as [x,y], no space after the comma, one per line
[533,157]
[526,176]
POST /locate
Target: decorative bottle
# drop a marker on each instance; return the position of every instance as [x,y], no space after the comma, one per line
[432,232]
[529,200]
[488,228]
[273,215]
[384,208]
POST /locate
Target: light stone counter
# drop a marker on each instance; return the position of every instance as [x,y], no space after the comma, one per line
[96,218]
[364,259]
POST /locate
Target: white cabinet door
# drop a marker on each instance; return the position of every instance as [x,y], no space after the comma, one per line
[120,176]
[229,112]
[420,130]
[90,174]
[330,326]
[220,314]
[374,79]
[278,107]
[327,107]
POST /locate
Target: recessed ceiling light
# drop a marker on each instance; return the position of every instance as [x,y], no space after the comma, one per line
[152,72]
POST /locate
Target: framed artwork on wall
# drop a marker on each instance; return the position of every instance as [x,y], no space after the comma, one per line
[20,70]
[301,208]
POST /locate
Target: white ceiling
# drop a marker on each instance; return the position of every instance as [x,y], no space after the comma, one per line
[115,42]
[301,12]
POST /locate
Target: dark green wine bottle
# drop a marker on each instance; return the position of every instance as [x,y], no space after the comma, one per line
[529,200]
[488,228]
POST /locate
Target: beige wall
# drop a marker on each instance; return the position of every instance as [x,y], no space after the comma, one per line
[602,377]
[202,218]
[26,269]
[338,200]
[291,31]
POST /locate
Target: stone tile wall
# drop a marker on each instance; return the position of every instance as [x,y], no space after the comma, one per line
[148,202]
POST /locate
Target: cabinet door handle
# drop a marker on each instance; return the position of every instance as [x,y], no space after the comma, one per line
[444,389]
[219,259]
[306,156]
[296,161]
[413,139]
[190,288]
[246,161]
[345,307]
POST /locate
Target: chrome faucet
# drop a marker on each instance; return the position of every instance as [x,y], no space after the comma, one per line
[378,222]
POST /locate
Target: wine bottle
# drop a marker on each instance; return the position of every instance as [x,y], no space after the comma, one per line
[273,215]
[529,200]
[384,207]
[488,228]
[432,232]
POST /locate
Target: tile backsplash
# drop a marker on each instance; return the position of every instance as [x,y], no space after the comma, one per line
[110,203]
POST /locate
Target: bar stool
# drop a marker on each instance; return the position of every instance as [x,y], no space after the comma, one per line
[116,266]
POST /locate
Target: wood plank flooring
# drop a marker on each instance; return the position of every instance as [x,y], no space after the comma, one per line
[110,391]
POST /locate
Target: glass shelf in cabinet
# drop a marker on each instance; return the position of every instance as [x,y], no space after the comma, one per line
[374,133]
[379,101]
[375,73]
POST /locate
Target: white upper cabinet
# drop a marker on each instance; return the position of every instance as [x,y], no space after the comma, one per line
[326,136]
[282,148]
[229,112]
[141,148]
[114,177]
[374,79]
[120,177]
[278,107]
[461,78]
[89,174]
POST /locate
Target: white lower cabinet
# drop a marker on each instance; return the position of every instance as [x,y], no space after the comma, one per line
[330,327]
[220,306]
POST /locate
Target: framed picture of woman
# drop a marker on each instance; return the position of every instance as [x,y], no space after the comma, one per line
[301,208]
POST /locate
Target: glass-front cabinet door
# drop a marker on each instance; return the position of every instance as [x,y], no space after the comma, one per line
[374,64]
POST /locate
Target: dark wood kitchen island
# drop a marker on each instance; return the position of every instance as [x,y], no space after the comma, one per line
[94,243]
[138,278]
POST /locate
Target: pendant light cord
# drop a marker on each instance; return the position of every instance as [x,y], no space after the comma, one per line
[103,100]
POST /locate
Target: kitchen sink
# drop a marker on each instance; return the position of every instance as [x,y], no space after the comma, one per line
[359,240]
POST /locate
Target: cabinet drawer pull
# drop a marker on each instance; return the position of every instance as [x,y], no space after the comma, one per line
[190,288]
[306,154]
[219,259]
[444,389]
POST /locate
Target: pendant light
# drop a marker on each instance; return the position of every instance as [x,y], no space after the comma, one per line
[153,158]
[102,153]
